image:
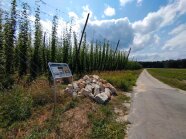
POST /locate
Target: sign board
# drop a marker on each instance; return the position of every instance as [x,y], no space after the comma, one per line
[59,70]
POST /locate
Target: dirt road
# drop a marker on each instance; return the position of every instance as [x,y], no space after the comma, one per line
[158,111]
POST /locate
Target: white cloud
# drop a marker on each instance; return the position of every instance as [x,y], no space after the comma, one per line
[178,29]
[73,15]
[161,18]
[139,2]
[140,41]
[177,41]
[124,2]
[86,10]
[109,11]
[112,30]
[146,31]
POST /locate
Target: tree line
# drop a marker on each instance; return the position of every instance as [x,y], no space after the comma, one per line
[27,52]
[180,63]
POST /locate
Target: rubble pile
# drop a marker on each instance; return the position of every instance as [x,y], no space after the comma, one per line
[93,87]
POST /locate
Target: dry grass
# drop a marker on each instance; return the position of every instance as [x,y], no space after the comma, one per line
[74,118]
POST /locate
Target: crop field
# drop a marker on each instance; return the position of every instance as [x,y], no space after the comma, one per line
[173,77]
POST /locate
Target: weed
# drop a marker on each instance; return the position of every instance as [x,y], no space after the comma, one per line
[104,125]
[14,106]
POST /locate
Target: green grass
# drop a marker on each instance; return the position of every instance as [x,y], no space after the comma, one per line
[123,80]
[104,124]
[173,77]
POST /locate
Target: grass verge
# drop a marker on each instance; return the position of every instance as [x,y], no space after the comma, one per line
[33,116]
[173,77]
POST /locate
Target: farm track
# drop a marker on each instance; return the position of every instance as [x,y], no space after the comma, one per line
[158,110]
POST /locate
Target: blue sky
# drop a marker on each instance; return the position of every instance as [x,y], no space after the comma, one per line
[154,29]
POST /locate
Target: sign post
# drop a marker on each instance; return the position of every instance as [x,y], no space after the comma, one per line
[59,71]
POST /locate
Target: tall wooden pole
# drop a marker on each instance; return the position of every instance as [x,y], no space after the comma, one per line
[78,51]
[128,54]
[116,47]
[83,32]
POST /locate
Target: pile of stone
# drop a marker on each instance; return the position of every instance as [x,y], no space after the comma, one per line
[93,87]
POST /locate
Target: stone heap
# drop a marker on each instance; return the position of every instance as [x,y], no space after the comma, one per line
[93,87]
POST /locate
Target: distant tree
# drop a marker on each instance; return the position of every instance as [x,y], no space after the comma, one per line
[82,56]
[54,39]
[9,35]
[103,56]
[96,57]
[91,56]
[36,66]
[65,48]
[2,56]
[44,51]
[23,42]
[75,51]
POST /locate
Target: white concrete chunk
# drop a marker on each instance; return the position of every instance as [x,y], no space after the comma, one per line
[101,98]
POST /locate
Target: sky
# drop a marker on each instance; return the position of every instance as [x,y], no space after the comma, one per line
[154,29]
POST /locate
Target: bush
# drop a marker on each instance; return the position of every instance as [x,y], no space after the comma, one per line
[132,65]
[15,105]
[6,82]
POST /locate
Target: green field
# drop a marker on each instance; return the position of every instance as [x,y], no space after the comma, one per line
[173,77]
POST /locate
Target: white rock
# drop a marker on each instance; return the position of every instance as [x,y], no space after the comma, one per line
[89,88]
[85,77]
[102,88]
[88,81]
[108,92]
[95,77]
[112,88]
[80,81]
[70,86]
[101,98]
[74,85]
[81,85]
[96,91]
[95,85]
[90,95]
[74,94]
[85,92]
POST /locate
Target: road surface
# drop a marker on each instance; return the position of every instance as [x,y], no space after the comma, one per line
[158,111]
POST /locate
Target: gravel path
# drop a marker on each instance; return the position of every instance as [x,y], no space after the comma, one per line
[158,111]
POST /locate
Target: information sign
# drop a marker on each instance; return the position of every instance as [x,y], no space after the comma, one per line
[59,70]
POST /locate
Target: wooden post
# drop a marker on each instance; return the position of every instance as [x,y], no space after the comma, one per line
[54,97]
[83,32]
[116,47]
[78,51]
[128,54]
